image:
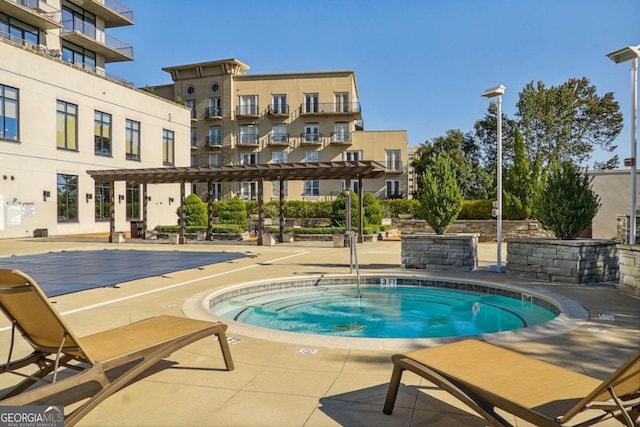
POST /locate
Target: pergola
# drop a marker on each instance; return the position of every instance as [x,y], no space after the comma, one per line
[281,172]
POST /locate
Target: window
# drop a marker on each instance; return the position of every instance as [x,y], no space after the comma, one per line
[194,138]
[168,147]
[191,104]
[354,186]
[79,56]
[310,103]
[216,192]
[392,188]
[215,107]
[279,134]
[67,198]
[248,105]
[191,90]
[133,202]
[194,160]
[393,160]
[342,102]
[215,87]
[311,188]
[67,126]
[311,133]
[132,140]
[215,136]
[312,156]
[102,133]
[275,188]
[103,201]
[352,156]
[279,105]
[77,19]
[214,159]
[341,132]
[18,31]
[279,157]
[8,113]
[248,158]
[248,135]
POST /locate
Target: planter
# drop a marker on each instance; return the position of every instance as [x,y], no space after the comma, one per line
[577,261]
[455,252]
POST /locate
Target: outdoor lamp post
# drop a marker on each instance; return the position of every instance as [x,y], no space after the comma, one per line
[631,53]
[497,92]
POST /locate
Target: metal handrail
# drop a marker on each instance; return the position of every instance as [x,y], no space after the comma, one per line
[330,107]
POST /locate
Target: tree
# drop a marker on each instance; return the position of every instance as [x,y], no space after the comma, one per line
[441,197]
[465,154]
[372,210]
[338,211]
[521,182]
[566,122]
[612,163]
[234,212]
[566,204]
[195,211]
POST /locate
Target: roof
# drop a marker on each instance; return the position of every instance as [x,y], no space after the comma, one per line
[241,173]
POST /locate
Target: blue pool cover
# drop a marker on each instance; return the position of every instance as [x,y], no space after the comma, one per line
[65,272]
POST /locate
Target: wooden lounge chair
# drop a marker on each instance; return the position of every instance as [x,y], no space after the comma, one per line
[55,347]
[485,377]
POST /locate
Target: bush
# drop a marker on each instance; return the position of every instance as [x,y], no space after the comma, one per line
[391,208]
[476,209]
[217,228]
[195,211]
[566,204]
[441,197]
[338,210]
[234,212]
[372,210]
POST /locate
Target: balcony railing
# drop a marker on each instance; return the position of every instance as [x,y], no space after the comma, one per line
[341,137]
[119,8]
[248,139]
[394,166]
[214,141]
[278,110]
[311,138]
[42,8]
[212,112]
[330,108]
[90,31]
[279,139]
[247,110]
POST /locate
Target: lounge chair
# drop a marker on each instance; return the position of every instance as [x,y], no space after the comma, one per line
[485,377]
[55,347]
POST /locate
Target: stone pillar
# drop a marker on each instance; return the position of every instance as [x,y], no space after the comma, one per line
[457,252]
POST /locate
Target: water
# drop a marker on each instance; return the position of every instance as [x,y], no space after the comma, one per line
[382,312]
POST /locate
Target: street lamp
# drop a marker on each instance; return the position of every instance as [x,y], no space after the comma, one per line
[497,92]
[631,53]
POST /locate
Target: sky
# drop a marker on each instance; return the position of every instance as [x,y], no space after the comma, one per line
[420,65]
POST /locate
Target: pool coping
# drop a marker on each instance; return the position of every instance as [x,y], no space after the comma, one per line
[572,316]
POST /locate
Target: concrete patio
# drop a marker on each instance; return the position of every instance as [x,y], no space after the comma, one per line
[289,384]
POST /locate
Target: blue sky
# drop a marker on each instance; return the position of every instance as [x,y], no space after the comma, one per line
[420,65]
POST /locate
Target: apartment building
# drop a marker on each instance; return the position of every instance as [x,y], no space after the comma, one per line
[238,118]
[62,113]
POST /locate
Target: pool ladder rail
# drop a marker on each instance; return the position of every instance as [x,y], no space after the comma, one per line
[353,248]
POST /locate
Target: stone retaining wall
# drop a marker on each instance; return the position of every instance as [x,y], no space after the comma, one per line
[486,229]
[629,256]
[565,261]
[439,252]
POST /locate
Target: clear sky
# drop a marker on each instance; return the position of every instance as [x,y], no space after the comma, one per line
[420,65]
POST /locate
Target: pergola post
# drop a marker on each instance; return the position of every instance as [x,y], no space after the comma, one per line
[209,210]
[112,210]
[281,209]
[260,208]
[347,211]
[182,237]
[360,211]
[145,200]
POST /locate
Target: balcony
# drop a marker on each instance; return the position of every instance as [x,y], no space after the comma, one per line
[214,141]
[86,35]
[350,109]
[278,111]
[394,166]
[341,138]
[247,111]
[114,13]
[279,139]
[310,139]
[249,140]
[33,12]
[212,113]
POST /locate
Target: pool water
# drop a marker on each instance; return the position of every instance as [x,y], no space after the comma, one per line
[382,312]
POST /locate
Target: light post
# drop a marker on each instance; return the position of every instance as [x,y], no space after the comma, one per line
[631,53]
[497,92]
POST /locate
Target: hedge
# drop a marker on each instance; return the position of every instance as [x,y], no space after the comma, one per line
[217,228]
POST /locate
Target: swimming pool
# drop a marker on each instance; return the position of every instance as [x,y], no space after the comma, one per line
[567,314]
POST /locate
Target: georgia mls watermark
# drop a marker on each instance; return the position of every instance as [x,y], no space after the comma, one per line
[32,416]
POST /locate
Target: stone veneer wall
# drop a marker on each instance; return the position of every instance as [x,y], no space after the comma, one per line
[622,230]
[439,252]
[629,256]
[566,261]
[486,229]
